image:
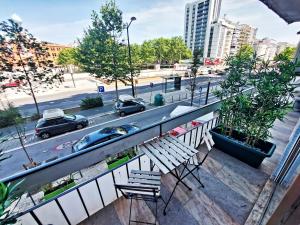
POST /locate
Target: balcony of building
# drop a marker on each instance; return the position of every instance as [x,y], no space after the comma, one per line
[234,192]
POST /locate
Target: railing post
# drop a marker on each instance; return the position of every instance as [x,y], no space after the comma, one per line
[207,93]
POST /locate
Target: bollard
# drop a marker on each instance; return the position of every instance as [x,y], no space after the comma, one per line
[207,93]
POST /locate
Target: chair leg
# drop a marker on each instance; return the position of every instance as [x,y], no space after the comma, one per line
[130,211]
[155,211]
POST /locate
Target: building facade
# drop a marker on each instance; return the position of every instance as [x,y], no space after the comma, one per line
[221,33]
[54,50]
[199,16]
[265,49]
[243,34]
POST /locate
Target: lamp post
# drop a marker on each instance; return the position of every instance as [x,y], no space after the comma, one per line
[129,54]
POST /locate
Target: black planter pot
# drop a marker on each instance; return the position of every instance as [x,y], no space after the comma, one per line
[253,156]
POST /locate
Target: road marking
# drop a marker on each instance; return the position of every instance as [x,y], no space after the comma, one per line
[90,127]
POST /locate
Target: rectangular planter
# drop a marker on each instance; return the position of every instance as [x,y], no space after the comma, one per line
[251,155]
[58,191]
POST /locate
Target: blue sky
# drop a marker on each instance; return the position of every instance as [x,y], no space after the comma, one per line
[63,21]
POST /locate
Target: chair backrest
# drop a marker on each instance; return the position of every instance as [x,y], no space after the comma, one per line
[207,138]
[130,189]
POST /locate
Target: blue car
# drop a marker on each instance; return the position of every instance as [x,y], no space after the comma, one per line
[103,135]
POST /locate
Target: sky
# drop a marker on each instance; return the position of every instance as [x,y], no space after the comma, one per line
[63,21]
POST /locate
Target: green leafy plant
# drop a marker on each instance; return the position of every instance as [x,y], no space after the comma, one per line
[253,114]
[8,115]
[89,103]
[8,195]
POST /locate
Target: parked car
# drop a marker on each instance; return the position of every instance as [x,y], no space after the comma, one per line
[55,122]
[103,135]
[11,84]
[127,104]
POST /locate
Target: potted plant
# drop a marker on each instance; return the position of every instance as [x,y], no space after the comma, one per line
[245,118]
[50,190]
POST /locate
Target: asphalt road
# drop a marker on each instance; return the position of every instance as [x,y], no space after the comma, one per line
[61,145]
[74,101]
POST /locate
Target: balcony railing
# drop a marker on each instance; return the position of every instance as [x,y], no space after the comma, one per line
[85,199]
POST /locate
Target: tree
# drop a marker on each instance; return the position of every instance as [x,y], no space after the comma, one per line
[67,57]
[288,52]
[160,50]
[194,69]
[18,129]
[101,51]
[25,60]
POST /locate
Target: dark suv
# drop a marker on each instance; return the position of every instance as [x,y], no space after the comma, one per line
[46,128]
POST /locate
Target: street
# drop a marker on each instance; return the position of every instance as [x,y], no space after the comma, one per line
[61,145]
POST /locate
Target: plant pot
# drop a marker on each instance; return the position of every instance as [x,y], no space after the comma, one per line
[116,162]
[235,147]
[58,190]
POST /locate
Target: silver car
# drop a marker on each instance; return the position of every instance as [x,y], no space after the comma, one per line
[127,105]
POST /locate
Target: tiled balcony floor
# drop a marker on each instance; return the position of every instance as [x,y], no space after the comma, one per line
[231,190]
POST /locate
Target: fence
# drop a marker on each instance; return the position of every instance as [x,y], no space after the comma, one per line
[83,200]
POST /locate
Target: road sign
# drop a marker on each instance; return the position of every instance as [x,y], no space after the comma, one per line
[101,89]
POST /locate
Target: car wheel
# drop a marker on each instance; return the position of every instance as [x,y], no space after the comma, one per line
[122,114]
[142,109]
[79,126]
[45,135]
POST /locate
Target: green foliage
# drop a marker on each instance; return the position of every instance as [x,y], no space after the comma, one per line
[194,68]
[8,194]
[25,59]
[89,103]
[8,116]
[162,50]
[288,52]
[101,52]
[67,57]
[254,114]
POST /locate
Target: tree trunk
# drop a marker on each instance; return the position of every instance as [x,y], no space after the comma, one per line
[30,85]
[22,144]
[117,91]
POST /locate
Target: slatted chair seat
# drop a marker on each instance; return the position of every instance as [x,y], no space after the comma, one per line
[141,185]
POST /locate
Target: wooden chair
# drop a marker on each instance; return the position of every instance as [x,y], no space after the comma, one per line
[142,185]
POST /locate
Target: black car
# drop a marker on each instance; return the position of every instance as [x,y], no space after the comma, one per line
[46,128]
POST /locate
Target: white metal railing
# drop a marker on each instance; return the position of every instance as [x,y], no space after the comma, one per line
[83,200]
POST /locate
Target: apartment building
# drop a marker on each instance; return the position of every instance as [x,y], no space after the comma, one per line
[199,16]
[221,33]
[243,34]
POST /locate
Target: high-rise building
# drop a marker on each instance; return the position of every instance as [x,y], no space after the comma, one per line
[243,34]
[265,49]
[198,18]
[220,39]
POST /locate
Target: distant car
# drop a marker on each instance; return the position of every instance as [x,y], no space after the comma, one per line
[11,84]
[56,122]
[103,135]
[127,104]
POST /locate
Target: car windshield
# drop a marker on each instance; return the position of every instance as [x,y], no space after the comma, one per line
[70,117]
[82,143]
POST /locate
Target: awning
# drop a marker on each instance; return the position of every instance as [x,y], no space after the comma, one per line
[289,10]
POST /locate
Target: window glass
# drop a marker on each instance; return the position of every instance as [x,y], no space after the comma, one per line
[70,117]
[50,123]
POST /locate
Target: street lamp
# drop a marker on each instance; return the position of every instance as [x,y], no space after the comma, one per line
[129,54]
